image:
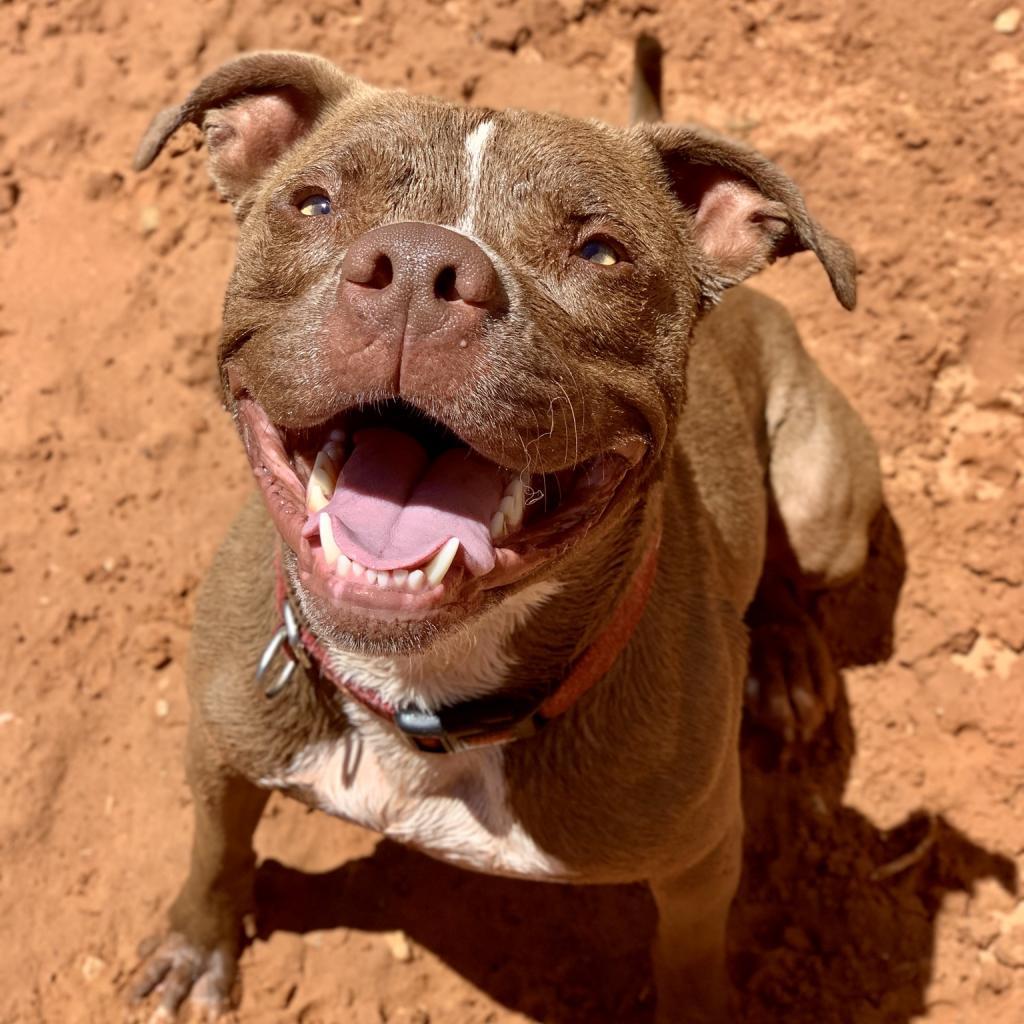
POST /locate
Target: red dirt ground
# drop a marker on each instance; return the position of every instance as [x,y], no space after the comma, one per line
[905,125]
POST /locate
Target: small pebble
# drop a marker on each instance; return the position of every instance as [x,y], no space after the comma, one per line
[162,708]
[399,945]
[1007,22]
[92,967]
[149,219]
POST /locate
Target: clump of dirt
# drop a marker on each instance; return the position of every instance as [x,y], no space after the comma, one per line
[881,879]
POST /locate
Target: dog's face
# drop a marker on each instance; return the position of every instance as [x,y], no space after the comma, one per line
[455,340]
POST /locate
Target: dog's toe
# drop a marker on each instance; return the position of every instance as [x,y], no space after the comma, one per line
[175,970]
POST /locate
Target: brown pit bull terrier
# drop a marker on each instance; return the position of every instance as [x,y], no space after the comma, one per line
[519,452]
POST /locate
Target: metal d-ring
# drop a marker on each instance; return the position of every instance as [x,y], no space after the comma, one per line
[278,643]
[287,641]
[291,628]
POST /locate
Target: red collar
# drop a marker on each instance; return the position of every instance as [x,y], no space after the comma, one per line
[486,721]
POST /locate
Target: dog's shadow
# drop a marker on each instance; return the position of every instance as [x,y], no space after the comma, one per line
[835,918]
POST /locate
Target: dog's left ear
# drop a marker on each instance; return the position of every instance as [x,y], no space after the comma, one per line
[746,212]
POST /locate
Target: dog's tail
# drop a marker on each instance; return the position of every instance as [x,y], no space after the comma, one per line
[645,91]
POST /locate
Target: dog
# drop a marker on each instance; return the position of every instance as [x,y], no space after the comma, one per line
[521,446]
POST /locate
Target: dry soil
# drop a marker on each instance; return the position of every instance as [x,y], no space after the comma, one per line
[119,473]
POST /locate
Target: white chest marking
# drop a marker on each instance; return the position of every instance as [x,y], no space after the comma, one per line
[476,143]
[453,806]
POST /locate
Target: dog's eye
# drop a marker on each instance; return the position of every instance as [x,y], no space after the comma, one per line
[600,252]
[315,206]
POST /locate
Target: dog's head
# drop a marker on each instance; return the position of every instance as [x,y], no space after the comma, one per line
[455,341]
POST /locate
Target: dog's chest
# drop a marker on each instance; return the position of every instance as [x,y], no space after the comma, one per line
[454,807]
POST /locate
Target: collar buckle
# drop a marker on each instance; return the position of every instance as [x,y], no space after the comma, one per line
[489,721]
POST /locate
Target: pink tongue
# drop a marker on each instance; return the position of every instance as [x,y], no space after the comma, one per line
[393,507]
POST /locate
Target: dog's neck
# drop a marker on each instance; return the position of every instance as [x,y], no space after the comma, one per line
[472,662]
[480,658]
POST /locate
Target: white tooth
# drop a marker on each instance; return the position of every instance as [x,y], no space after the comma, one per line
[498,524]
[316,500]
[441,562]
[337,435]
[327,541]
[400,576]
[343,566]
[383,578]
[512,504]
[417,580]
[371,575]
[357,569]
[321,482]
[326,465]
[334,452]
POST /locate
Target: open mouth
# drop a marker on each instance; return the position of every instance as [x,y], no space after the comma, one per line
[391,513]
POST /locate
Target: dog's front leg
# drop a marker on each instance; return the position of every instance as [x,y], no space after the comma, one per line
[689,949]
[199,954]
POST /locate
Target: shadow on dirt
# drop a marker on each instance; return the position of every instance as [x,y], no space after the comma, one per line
[835,920]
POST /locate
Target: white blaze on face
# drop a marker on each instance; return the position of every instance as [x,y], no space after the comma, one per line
[476,143]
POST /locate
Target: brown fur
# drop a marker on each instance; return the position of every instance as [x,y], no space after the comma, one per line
[640,780]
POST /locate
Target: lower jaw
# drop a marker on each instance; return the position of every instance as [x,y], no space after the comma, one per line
[367,621]
[457,596]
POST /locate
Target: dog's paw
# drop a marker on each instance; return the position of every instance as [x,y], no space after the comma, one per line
[792,683]
[176,968]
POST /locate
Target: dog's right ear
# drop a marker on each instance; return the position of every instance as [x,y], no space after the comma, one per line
[251,110]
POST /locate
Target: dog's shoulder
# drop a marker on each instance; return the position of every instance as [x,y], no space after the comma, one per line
[236,618]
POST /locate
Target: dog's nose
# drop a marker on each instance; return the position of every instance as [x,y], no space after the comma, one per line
[423,293]
[433,272]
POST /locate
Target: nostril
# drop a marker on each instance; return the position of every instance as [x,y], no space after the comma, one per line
[444,285]
[383,273]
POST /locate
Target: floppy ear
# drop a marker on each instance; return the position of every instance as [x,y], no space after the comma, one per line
[746,212]
[252,110]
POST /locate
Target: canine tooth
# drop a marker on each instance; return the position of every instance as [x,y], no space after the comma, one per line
[371,575]
[331,550]
[318,490]
[512,504]
[326,465]
[417,580]
[441,562]
[383,578]
[321,482]
[358,569]
[400,576]
[498,525]
[343,566]
[337,435]
[316,500]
